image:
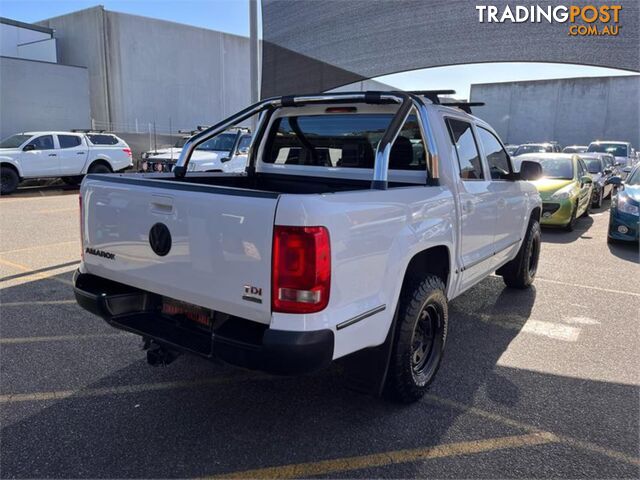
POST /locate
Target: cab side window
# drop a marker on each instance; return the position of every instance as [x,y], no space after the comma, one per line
[497,158]
[464,140]
[69,141]
[581,169]
[43,142]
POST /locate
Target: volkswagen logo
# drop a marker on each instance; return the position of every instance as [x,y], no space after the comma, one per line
[160,239]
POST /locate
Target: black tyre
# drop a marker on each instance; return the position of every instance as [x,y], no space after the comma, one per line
[73,180]
[597,203]
[421,333]
[572,221]
[521,271]
[99,168]
[9,179]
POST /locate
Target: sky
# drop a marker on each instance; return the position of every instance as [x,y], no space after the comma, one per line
[232,16]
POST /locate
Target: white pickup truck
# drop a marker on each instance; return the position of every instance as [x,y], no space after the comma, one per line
[226,152]
[359,217]
[66,155]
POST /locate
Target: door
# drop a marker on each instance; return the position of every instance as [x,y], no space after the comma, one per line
[508,195]
[40,159]
[584,198]
[477,204]
[72,154]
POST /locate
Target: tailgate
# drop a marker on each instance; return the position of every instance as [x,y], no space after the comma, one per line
[200,244]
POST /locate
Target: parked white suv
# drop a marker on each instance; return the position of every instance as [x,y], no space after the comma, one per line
[68,155]
[359,216]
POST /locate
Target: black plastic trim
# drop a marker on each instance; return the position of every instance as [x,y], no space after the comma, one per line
[172,184]
[360,317]
[241,342]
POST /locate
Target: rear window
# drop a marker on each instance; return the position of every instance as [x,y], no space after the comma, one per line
[102,139]
[615,149]
[343,141]
[69,141]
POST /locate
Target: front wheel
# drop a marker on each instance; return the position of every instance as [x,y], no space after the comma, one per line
[421,333]
[9,180]
[598,202]
[521,271]
[572,220]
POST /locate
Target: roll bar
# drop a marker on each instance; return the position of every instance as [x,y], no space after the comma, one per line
[381,167]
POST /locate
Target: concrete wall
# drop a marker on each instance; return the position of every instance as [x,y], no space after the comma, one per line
[570,111]
[144,70]
[42,96]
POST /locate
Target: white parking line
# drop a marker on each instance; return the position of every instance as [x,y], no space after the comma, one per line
[58,338]
[609,290]
[555,331]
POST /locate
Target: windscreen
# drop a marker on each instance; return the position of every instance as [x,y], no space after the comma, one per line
[615,149]
[557,168]
[221,143]
[343,141]
[522,149]
[634,177]
[14,141]
[593,165]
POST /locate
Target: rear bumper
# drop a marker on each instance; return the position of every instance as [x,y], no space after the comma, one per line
[233,340]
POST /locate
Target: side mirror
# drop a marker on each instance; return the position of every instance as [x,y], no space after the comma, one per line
[29,147]
[225,159]
[586,179]
[530,171]
[244,151]
[608,170]
[615,181]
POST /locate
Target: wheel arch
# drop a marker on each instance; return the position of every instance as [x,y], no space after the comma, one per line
[100,161]
[11,165]
[435,260]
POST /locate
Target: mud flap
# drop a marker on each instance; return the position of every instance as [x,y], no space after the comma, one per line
[366,371]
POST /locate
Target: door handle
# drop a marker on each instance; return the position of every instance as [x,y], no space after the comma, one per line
[80,153]
[53,155]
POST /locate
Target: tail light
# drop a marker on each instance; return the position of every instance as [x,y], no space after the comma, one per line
[81,229]
[128,152]
[301,271]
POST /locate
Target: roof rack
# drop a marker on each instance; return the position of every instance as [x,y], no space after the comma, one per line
[464,106]
[86,130]
[432,95]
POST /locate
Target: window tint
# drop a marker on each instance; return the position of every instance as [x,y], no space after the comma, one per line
[101,139]
[340,140]
[497,158]
[408,151]
[466,149]
[14,141]
[44,142]
[69,141]
[220,143]
[557,168]
[582,168]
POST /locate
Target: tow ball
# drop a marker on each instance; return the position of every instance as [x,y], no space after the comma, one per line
[157,355]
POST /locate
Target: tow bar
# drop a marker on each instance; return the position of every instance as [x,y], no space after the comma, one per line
[157,355]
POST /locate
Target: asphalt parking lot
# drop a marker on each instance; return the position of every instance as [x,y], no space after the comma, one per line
[536,383]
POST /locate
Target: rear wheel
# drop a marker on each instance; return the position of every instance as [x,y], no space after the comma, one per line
[421,332]
[99,168]
[521,271]
[9,179]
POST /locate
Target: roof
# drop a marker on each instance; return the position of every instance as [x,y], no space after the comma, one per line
[29,26]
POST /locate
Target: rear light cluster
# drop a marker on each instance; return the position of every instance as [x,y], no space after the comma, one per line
[301,272]
[128,152]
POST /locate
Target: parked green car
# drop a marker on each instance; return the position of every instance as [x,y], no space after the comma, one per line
[565,188]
